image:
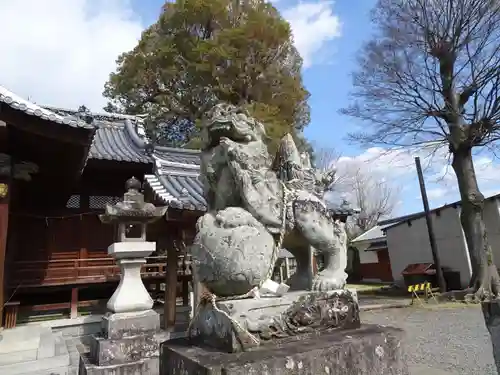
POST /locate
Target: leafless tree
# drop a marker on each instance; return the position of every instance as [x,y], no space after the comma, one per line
[325,158]
[372,195]
[431,75]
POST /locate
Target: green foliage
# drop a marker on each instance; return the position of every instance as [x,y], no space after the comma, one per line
[200,52]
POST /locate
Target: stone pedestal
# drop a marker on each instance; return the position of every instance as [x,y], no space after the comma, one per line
[131,294]
[244,324]
[127,345]
[364,351]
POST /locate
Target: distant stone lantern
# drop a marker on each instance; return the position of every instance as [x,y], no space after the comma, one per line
[130,252]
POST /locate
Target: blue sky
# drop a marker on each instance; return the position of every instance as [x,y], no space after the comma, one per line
[328,76]
[65,57]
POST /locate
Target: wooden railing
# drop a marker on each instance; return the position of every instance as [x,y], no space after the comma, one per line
[84,271]
[75,272]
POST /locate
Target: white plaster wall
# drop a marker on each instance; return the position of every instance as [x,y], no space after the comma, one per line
[366,257]
[410,244]
[492,222]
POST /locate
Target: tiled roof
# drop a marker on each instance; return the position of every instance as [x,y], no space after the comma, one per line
[176,181]
[182,192]
[19,104]
[378,231]
[377,245]
[336,202]
[177,155]
[341,209]
[372,234]
[118,137]
[404,219]
[99,116]
[117,141]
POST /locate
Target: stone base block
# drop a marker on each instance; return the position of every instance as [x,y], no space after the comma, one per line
[148,366]
[367,350]
[267,318]
[105,352]
[128,344]
[119,325]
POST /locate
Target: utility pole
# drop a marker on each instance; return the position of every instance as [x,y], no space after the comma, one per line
[430,228]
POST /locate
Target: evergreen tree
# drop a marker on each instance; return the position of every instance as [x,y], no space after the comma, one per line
[200,52]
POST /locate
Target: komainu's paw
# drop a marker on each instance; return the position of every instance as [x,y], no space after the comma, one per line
[327,280]
[299,281]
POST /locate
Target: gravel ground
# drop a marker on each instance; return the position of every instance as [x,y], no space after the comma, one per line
[441,340]
[379,300]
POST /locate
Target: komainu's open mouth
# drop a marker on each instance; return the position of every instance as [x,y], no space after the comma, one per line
[226,129]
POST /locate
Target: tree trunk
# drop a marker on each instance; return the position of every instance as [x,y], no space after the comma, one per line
[485,279]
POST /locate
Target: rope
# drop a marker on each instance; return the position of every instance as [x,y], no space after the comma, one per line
[212,298]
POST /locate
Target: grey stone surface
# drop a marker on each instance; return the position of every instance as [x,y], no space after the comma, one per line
[233,251]
[92,324]
[18,356]
[73,344]
[441,340]
[47,346]
[81,326]
[364,351]
[132,209]
[106,352]
[491,313]
[148,366]
[117,326]
[58,364]
[282,193]
[262,320]
[128,344]
[80,346]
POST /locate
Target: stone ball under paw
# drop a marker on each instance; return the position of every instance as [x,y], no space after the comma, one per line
[232,252]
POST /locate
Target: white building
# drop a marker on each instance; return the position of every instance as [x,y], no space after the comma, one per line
[408,239]
[374,260]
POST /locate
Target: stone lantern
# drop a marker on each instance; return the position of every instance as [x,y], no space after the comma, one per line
[128,341]
[130,252]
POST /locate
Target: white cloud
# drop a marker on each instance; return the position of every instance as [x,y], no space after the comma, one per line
[436,193]
[314,24]
[62,53]
[397,167]
[392,164]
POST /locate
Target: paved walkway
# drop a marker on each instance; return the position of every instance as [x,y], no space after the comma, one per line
[439,341]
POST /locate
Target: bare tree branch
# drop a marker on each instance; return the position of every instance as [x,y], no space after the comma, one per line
[373,195]
[431,75]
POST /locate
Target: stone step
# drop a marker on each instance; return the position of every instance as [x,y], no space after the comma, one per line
[21,344]
[47,345]
[21,338]
[145,366]
[54,365]
[91,324]
[18,356]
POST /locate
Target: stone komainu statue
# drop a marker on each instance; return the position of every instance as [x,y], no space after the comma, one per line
[256,203]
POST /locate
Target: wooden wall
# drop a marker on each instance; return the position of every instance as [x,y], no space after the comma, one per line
[380,270]
[51,251]
[71,247]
